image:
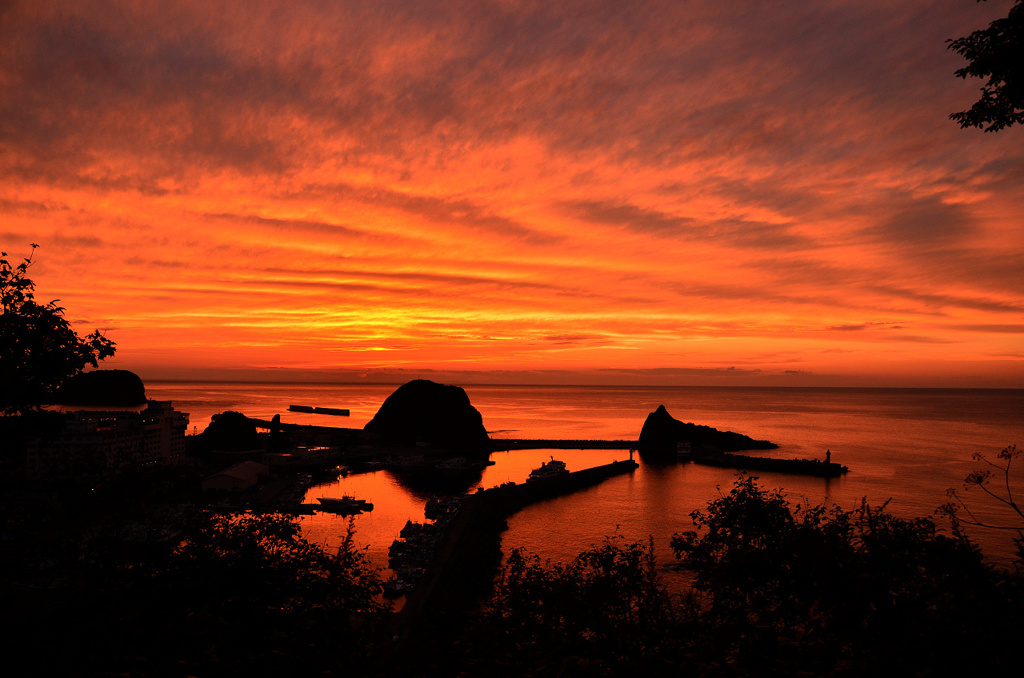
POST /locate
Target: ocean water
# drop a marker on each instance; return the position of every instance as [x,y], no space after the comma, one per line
[903,446]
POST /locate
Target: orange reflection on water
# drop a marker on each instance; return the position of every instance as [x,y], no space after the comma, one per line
[394,503]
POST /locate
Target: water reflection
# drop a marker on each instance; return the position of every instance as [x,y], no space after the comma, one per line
[905,444]
[398,498]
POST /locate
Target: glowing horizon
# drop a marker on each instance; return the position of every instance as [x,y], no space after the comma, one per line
[711,193]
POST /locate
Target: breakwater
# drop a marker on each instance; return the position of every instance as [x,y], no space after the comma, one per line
[508,444]
[463,570]
[811,467]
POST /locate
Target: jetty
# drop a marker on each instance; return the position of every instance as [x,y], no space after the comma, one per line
[468,559]
[809,467]
[333,431]
[508,444]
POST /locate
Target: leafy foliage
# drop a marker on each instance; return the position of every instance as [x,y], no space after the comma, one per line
[38,347]
[223,595]
[267,601]
[830,591]
[776,589]
[960,512]
[260,564]
[996,53]
[752,532]
[607,610]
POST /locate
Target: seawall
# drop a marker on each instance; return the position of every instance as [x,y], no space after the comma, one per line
[811,467]
[505,444]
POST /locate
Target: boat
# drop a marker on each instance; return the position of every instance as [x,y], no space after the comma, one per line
[438,506]
[548,469]
[309,409]
[344,505]
[336,411]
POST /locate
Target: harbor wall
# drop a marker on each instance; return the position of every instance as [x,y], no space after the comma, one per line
[811,467]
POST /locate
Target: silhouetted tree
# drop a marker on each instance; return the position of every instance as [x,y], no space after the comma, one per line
[268,600]
[1012,517]
[221,595]
[776,590]
[604,613]
[996,53]
[38,348]
[828,591]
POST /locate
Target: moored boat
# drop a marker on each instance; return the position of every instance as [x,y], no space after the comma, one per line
[548,469]
[345,504]
[309,409]
[335,411]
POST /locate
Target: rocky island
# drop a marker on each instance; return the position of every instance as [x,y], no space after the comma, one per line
[661,435]
[424,413]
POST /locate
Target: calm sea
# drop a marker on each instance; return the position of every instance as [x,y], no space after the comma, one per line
[904,446]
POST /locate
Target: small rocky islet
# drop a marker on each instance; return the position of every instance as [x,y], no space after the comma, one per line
[662,433]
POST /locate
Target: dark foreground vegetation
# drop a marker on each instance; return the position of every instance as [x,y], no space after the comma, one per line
[776,590]
[772,589]
[125,579]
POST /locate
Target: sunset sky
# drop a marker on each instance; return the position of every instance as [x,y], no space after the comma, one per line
[694,192]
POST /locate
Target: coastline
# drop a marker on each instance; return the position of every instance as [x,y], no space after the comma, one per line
[907,445]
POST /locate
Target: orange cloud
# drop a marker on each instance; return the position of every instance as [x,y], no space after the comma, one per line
[643,188]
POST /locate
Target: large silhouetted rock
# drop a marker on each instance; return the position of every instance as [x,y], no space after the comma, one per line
[662,433]
[230,432]
[103,388]
[423,411]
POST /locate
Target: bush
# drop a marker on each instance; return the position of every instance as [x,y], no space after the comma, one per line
[38,348]
[776,590]
[607,610]
[229,595]
[831,591]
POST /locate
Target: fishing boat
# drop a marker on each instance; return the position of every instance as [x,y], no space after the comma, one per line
[344,505]
[548,469]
